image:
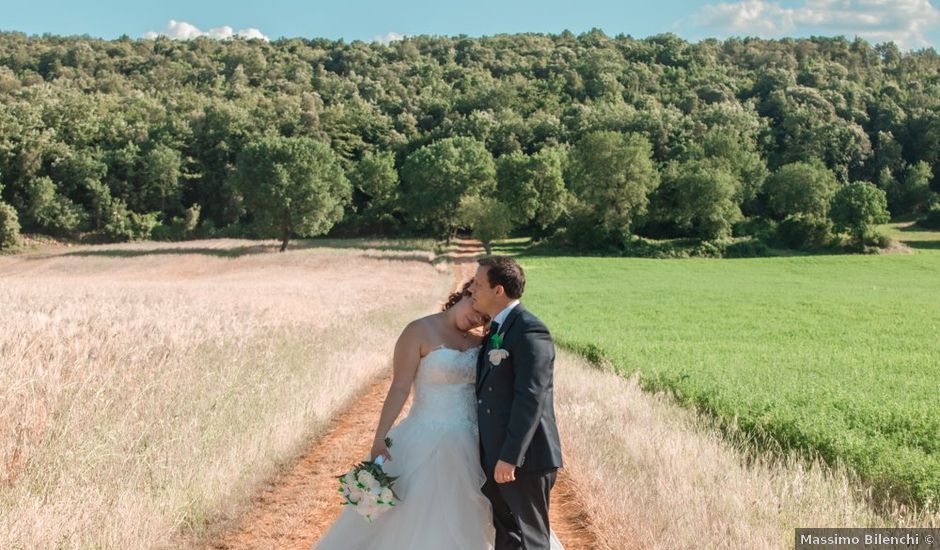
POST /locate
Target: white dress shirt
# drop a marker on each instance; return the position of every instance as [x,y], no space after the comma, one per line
[501,316]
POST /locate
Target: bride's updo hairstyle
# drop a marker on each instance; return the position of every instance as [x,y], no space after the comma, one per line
[460,294]
[456,296]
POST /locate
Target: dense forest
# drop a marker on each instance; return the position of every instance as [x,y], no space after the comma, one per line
[592,140]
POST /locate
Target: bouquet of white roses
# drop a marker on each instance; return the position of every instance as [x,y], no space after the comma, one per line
[368,488]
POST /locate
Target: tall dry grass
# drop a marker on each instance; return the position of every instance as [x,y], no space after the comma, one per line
[149,388]
[654,475]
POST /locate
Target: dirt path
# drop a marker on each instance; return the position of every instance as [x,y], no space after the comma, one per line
[299,505]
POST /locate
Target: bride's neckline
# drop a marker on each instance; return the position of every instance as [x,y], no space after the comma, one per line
[445,346]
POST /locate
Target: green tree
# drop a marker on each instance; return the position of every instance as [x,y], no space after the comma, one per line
[292,185]
[533,187]
[376,179]
[804,188]
[9,226]
[705,200]
[738,156]
[99,200]
[488,218]
[612,174]
[83,174]
[857,207]
[438,176]
[159,176]
[218,135]
[50,211]
[912,193]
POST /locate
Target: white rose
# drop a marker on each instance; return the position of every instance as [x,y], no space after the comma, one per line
[386,495]
[365,478]
[366,507]
[497,355]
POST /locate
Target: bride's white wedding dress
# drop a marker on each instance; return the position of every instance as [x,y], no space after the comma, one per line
[436,456]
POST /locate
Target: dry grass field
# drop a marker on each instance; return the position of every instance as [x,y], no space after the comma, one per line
[147,389]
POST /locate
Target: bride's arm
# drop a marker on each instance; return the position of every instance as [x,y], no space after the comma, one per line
[405,366]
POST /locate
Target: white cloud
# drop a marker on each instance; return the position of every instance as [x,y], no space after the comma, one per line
[388,38]
[181,30]
[903,21]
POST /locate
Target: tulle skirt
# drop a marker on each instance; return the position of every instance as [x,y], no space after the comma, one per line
[442,506]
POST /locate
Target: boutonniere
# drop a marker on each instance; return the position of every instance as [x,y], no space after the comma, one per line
[496,354]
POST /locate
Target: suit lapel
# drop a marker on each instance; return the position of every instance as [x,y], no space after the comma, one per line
[483,362]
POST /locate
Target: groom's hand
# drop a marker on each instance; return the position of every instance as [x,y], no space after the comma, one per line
[504,472]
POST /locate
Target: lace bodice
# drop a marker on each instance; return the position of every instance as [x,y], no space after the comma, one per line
[444,395]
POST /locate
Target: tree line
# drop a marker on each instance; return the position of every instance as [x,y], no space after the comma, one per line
[595,141]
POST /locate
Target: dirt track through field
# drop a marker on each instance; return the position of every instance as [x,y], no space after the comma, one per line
[298,506]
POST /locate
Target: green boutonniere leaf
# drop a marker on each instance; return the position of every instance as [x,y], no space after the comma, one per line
[496,340]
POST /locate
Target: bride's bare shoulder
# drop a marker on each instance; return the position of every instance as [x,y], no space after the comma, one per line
[417,334]
[419,330]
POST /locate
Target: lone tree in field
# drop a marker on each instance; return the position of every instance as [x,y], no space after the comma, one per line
[613,174]
[292,185]
[488,218]
[438,176]
[857,207]
[9,226]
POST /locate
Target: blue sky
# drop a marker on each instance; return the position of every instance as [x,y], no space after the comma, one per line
[911,23]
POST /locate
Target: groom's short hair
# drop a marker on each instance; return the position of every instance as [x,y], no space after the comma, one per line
[505,271]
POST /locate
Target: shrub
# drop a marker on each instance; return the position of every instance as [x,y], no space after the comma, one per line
[749,248]
[803,232]
[876,238]
[584,233]
[708,249]
[639,247]
[178,228]
[9,227]
[123,224]
[757,227]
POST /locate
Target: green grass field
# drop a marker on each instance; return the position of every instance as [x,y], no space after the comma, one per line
[834,354]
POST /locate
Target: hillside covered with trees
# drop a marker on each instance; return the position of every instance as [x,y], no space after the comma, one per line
[591,139]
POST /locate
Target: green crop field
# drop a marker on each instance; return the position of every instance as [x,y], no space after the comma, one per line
[834,354]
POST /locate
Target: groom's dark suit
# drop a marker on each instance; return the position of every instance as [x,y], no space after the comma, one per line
[517,425]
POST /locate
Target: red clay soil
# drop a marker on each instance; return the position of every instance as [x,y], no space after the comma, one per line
[298,506]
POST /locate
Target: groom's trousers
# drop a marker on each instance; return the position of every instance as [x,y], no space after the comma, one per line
[520,509]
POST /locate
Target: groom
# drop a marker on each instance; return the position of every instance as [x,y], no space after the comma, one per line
[519,446]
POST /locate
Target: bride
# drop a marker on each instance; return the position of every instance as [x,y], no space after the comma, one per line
[435,450]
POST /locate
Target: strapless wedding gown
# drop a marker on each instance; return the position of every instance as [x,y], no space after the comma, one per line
[436,456]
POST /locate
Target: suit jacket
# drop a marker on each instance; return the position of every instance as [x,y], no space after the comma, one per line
[515,399]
